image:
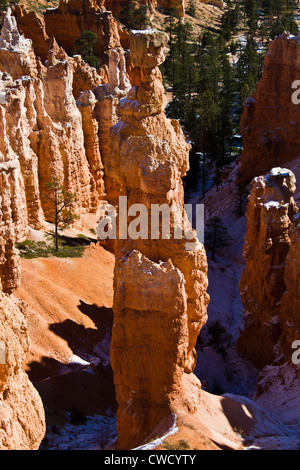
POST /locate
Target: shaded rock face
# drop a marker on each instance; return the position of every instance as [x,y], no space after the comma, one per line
[116,6]
[215,3]
[270,120]
[160,298]
[270,281]
[178,6]
[33,27]
[44,134]
[16,54]
[72,17]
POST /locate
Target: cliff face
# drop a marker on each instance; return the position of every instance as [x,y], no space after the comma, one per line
[22,420]
[72,17]
[43,132]
[270,121]
[160,287]
[270,279]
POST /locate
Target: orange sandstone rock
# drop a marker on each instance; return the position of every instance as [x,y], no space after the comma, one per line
[44,132]
[268,247]
[270,120]
[160,296]
[22,418]
[73,17]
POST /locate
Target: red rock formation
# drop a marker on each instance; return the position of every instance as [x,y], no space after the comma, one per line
[72,17]
[215,3]
[270,121]
[178,6]
[16,54]
[160,287]
[116,6]
[32,26]
[22,419]
[290,323]
[43,130]
[267,249]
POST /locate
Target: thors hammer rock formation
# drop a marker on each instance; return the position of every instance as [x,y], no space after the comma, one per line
[269,280]
[270,124]
[160,287]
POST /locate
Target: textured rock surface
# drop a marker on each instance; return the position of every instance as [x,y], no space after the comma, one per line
[160,287]
[72,17]
[215,3]
[270,274]
[33,26]
[270,121]
[16,53]
[290,300]
[22,419]
[116,6]
[44,133]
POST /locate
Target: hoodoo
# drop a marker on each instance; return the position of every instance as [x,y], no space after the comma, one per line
[160,296]
[269,279]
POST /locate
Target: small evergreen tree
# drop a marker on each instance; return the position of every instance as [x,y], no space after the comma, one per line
[191,9]
[85,46]
[216,235]
[61,206]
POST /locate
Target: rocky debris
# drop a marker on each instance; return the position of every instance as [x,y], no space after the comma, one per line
[270,120]
[269,280]
[157,282]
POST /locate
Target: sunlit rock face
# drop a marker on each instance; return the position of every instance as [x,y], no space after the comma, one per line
[160,287]
[22,419]
[269,280]
[270,121]
[44,132]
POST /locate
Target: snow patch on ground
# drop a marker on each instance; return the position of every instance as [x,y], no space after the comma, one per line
[98,433]
[159,441]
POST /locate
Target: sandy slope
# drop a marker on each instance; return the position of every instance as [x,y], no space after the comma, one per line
[68,304]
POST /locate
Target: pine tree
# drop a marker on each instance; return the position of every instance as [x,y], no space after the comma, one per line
[61,207]
[84,45]
[216,235]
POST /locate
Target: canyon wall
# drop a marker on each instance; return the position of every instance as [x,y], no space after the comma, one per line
[45,134]
[160,297]
[22,419]
[270,122]
[72,17]
[269,285]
